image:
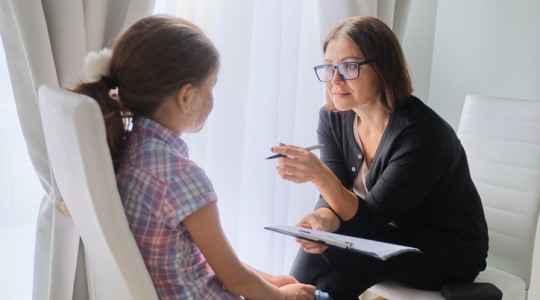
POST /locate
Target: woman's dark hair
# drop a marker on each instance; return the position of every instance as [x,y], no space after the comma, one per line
[151,60]
[377,41]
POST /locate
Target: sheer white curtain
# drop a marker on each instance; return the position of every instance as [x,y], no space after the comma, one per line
[266,93]
[45,43]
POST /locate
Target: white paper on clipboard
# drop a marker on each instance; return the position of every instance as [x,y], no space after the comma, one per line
[376,249]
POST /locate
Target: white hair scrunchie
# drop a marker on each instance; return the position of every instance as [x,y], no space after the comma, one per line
[96,64]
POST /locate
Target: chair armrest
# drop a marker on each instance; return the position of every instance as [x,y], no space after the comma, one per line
[476,290]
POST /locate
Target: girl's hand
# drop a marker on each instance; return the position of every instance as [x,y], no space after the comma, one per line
[298,291]
[281,280]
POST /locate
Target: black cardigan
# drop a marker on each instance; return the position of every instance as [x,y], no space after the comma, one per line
[419,181]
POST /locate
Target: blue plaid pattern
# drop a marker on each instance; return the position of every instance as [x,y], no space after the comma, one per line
[159,187]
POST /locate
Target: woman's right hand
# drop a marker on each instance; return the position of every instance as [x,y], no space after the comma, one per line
[323,219]
[299,165]
[298,291]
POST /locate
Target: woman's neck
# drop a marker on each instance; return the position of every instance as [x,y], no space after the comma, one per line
[373,118]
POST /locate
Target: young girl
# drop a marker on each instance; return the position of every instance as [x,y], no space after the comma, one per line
[161,72]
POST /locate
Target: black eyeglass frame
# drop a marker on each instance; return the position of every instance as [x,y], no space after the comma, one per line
[337,67]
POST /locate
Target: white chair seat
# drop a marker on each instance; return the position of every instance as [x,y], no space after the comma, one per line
[394,291]
[513,287]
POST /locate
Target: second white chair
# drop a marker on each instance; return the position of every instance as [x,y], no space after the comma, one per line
[501,137]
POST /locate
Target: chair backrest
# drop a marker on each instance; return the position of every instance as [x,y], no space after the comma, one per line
[501,137]
[81,163]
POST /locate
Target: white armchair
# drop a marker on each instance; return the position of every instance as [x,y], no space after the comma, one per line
[501,137]
[81,162]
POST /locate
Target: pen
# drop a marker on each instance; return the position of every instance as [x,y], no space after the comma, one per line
[310,148]
[323,239]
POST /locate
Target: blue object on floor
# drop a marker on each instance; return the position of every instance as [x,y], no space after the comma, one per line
[320,295]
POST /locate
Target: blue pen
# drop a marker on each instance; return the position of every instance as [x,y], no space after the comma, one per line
[310,148]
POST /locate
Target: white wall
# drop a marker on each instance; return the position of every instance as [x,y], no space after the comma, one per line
[489,47]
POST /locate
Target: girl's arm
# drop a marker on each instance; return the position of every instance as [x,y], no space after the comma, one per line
[205,228]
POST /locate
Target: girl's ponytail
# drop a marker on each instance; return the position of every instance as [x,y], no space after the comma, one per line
[102,88]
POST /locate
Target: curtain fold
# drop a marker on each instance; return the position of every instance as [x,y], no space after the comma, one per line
[45,43]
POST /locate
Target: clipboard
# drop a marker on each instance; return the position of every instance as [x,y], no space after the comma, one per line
[379,250]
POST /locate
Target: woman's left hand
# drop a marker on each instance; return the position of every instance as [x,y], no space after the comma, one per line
[322,219]
[298,165]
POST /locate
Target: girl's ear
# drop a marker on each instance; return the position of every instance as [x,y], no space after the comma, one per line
[183,97]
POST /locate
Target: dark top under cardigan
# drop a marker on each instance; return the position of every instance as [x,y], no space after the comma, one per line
[419,181]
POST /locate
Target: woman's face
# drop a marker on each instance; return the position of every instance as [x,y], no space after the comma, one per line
[355,93]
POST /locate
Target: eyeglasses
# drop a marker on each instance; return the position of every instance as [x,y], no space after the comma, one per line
[346,70]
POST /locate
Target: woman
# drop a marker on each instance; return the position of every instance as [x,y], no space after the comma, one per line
[162,71]
[391,170]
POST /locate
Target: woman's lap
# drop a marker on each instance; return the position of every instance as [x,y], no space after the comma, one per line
[346,274]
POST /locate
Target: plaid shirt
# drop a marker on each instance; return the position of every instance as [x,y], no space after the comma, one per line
[159,187]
